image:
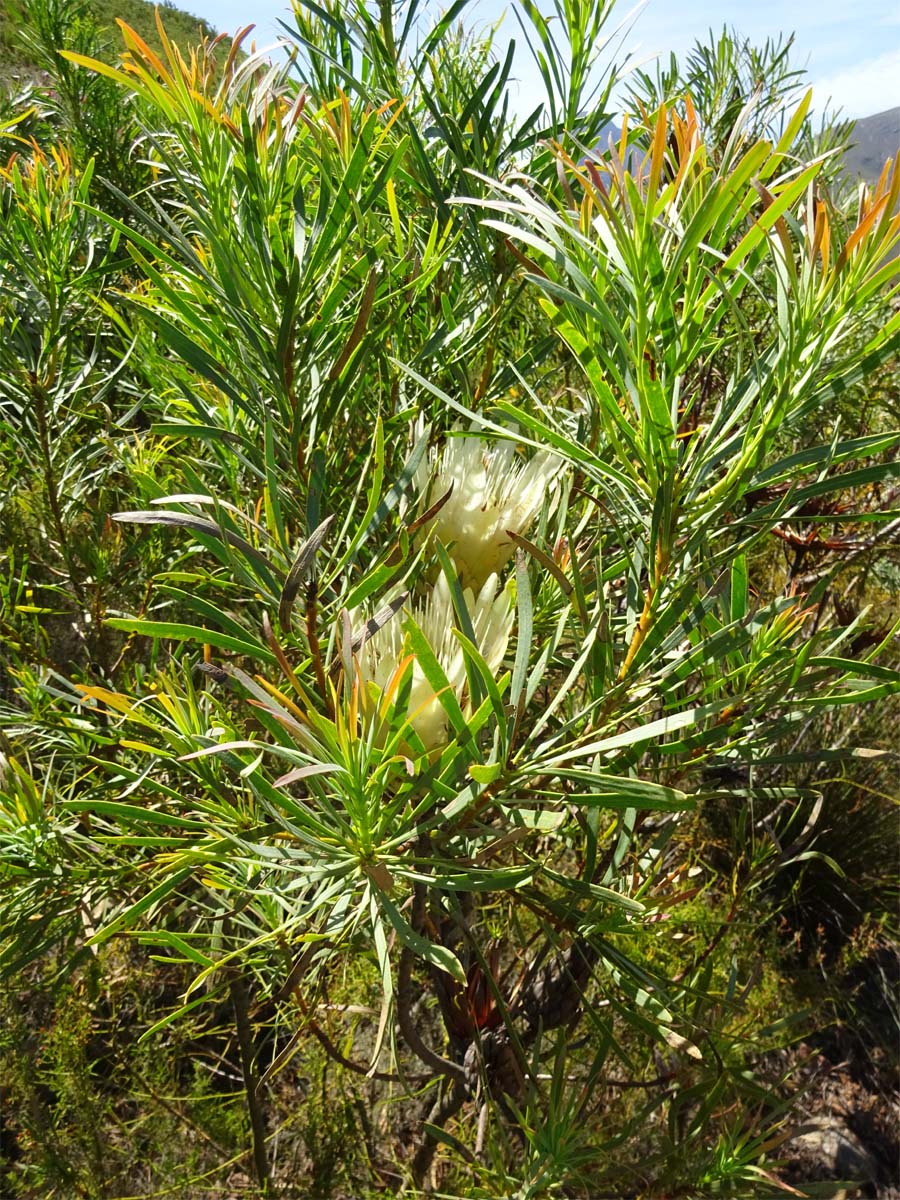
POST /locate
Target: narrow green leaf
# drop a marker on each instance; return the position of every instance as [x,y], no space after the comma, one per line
[438,956]
[176,632]
[130,915]
[434,673]
[523,632]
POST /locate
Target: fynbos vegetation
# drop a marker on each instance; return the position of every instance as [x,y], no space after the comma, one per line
[446,600]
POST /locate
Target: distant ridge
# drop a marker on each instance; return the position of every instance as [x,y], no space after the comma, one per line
[874,139]
[183,28]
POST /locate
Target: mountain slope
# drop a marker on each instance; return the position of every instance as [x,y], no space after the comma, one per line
[874,140]
[184,29]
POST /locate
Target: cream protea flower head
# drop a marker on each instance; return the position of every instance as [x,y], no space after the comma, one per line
[382,654]
[494,491]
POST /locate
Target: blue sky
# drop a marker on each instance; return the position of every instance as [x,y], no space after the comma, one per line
[851,51]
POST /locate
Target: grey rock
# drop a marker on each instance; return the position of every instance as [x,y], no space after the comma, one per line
[827,1143]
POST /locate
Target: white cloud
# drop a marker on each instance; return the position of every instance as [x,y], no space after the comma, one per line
[865,88]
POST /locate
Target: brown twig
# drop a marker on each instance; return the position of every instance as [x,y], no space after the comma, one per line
[241,1004]
[332,1051]
[442,1110]
[411,1035]
[315,649]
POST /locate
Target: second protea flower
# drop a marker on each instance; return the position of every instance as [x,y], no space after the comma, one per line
[494,490]
[382,655]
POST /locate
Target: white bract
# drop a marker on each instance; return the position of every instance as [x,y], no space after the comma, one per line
[494,491]
[382,654]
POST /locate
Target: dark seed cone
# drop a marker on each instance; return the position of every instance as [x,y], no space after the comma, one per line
[492,1058]
[552,996]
